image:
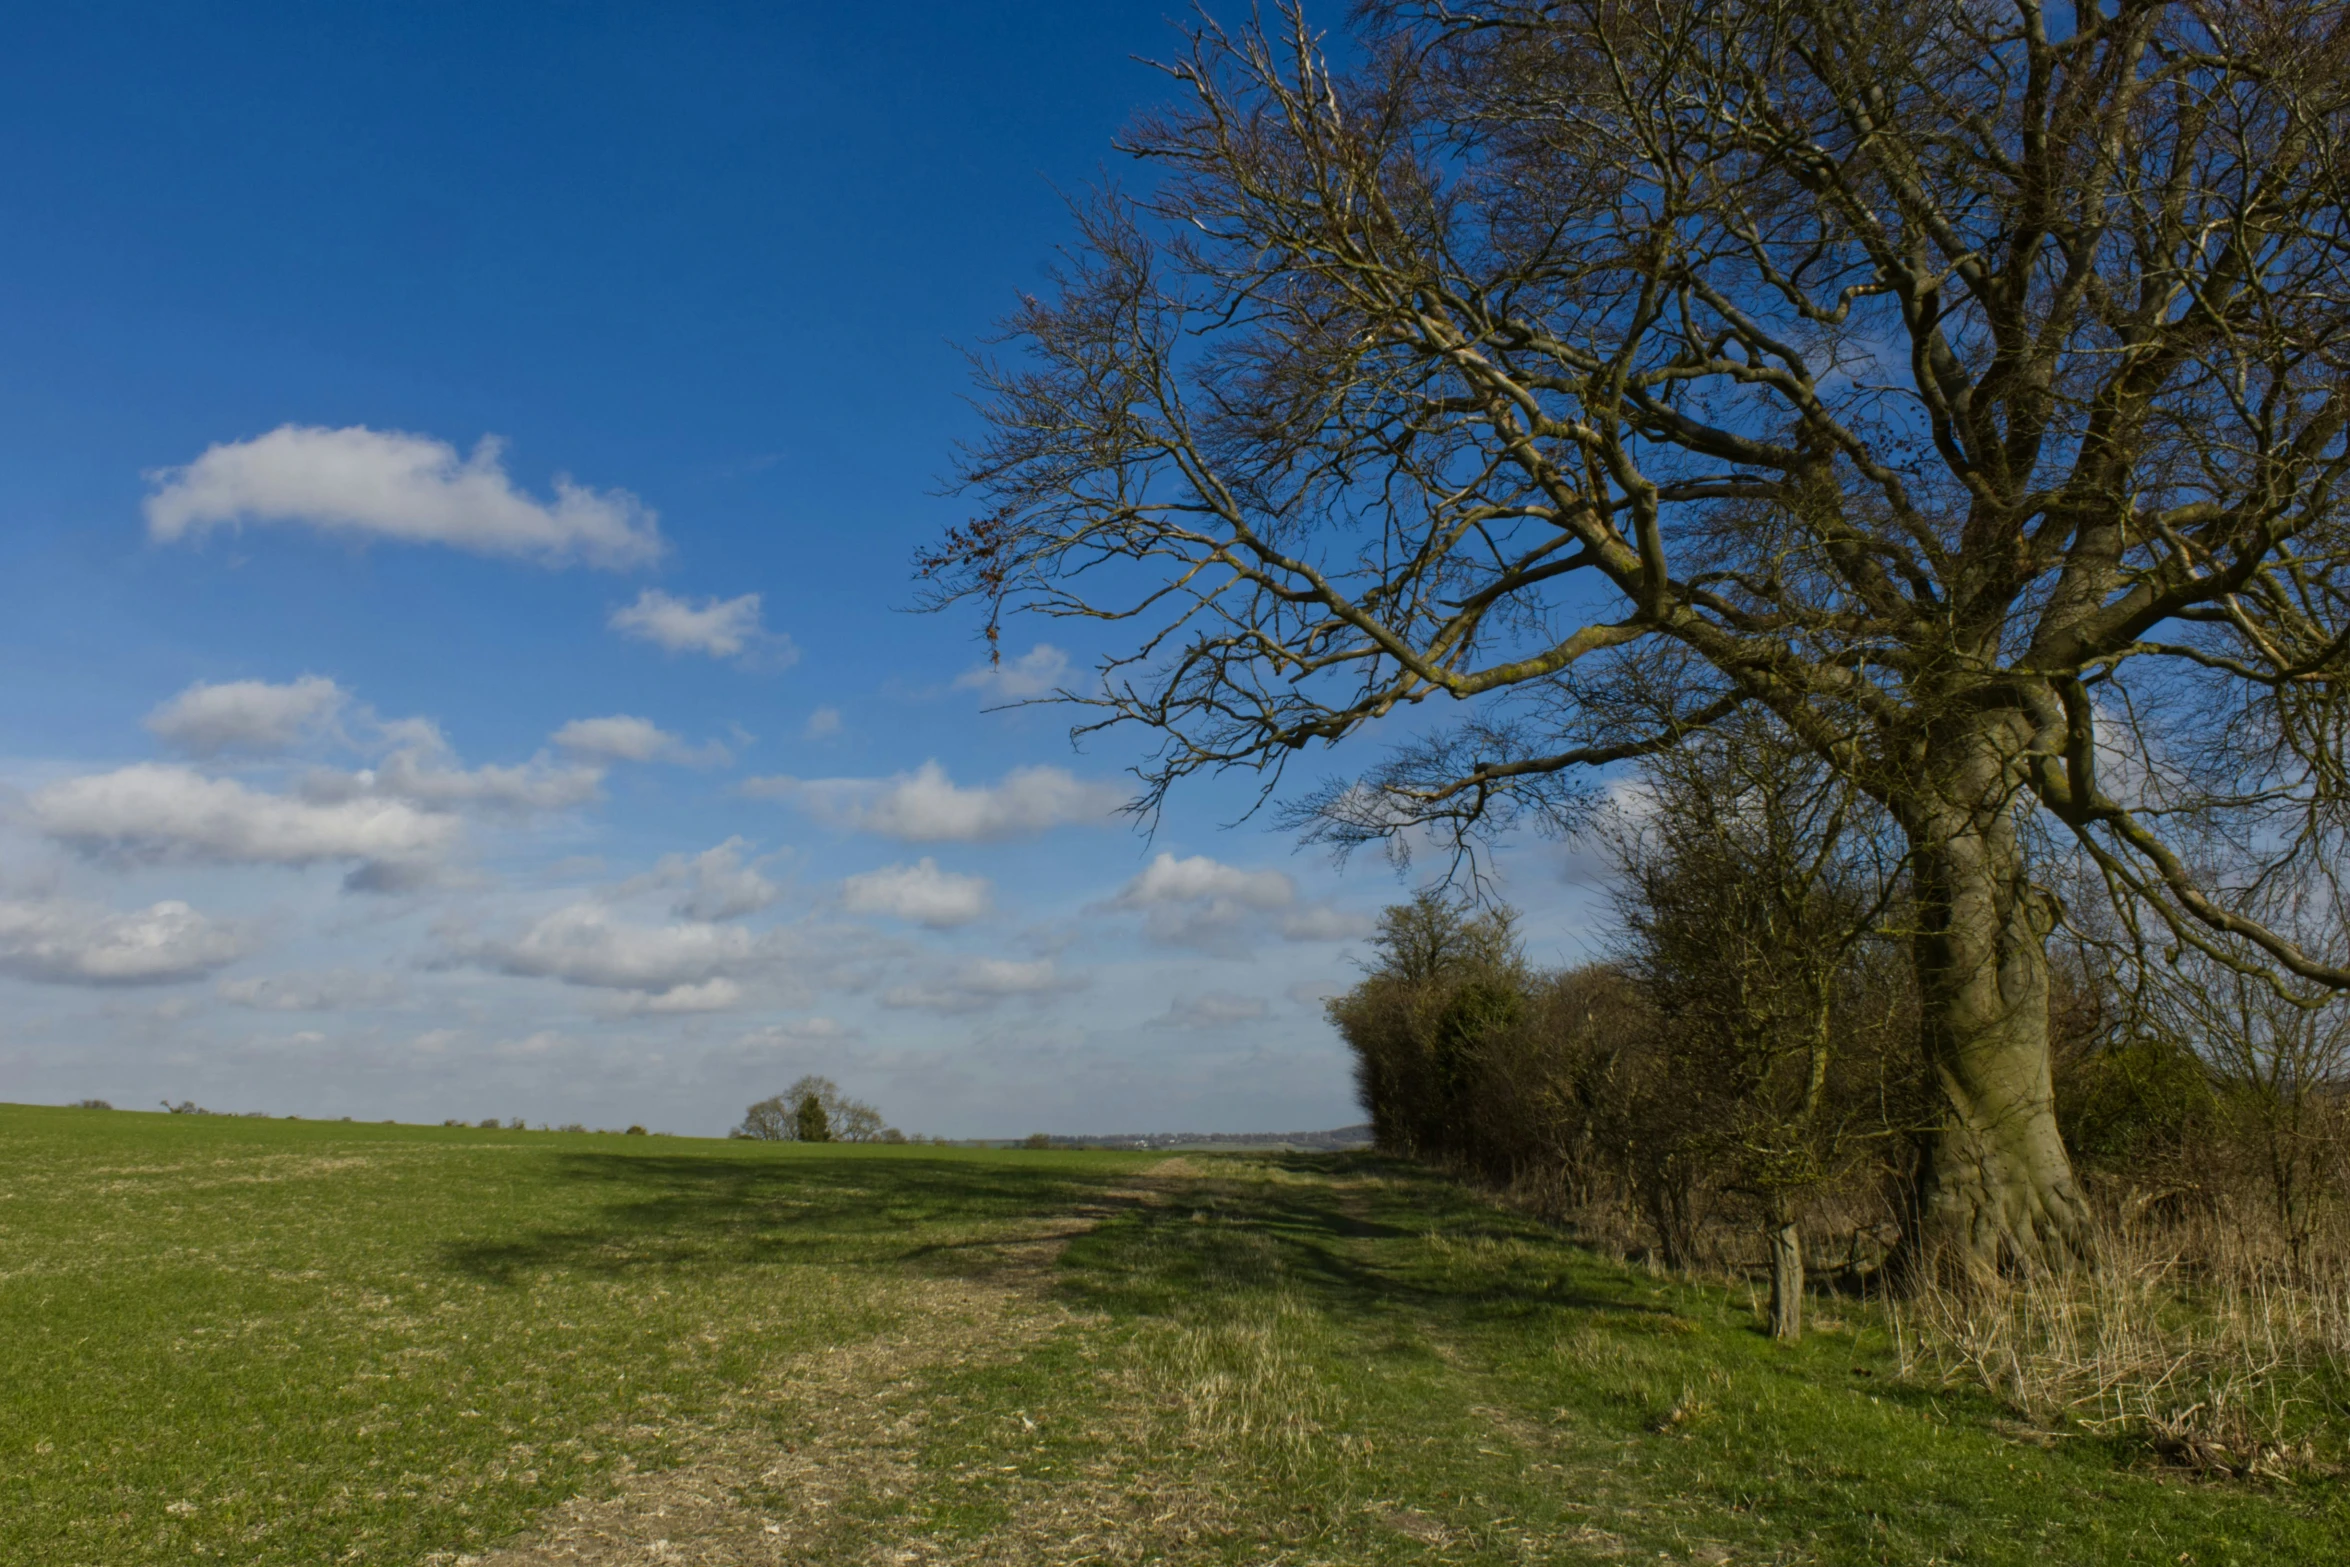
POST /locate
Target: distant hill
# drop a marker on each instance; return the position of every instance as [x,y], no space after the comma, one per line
[1302,1142]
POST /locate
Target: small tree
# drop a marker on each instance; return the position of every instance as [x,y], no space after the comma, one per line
[2279,1066]
[1446,978]
[810,1121]
[1752,875]
[854,1121]
[768,1121]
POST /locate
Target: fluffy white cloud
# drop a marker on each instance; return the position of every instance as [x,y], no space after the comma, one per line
[1210,1011]
[398,819]
[247,715]
[433,780]
[920,892]
[365,483]
[722,628]
[822,724]
[981,984]
[65,943]
[926,806]
[1037,672]
[1201,902]
[327,992]
[711,995]
[157,812]
[583,944]
[715,884]
[623,738]
[421,769]
[1199,879]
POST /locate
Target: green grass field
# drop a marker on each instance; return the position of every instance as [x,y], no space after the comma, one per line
[302,1342]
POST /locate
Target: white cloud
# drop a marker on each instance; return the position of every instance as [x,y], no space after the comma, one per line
[801,1030]
[920,892]
[1200,879]
[583,944]
[618,738]
[157,812]
[623,738]
[326,992]
[926,806]
[1321,922]
[981,984]
[422,770]
[1210,1011]
[544,1042]
[711,995]
[64,943]
[365,483]
[822,724]
[416,764]
[721,628]
[1037,672]
[715,884]
[1201,902]
[1010,977]
[433,782]
[247,715]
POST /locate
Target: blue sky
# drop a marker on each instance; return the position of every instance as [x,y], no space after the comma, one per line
[600,772]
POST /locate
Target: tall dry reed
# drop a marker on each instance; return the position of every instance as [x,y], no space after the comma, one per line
[2195,1340]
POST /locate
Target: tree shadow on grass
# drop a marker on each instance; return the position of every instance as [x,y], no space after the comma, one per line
[1345,1230]
[685,1214]
[1351,1240]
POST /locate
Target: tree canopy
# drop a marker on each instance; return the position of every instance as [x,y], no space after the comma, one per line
[1960,382]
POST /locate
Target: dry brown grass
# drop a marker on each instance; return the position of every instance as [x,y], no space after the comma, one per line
[2196,1339]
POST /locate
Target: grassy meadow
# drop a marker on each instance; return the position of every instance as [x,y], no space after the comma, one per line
[308,1342]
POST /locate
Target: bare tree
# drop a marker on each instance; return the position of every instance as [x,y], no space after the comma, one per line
[1962,381]
[2280,1063]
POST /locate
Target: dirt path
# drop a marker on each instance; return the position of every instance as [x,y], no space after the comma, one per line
[772,1480]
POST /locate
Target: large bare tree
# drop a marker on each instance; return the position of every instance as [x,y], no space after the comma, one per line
[1963,381]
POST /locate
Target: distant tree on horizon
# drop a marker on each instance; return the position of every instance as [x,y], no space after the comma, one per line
[812,1110]
[814,1125]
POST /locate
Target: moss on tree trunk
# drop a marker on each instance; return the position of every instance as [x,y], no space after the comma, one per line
[1786,1281]
[1995,1187]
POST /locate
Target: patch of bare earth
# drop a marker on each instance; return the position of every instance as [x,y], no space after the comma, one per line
[799,1469]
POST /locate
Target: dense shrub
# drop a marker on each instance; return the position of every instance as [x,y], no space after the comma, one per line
[1588,1092]
[1746,1064]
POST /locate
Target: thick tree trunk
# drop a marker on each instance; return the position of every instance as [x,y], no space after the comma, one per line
[1995,1187]
[1786,1281]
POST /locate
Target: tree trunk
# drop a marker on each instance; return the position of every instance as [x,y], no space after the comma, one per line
[1786,1281]
[1995,1187]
